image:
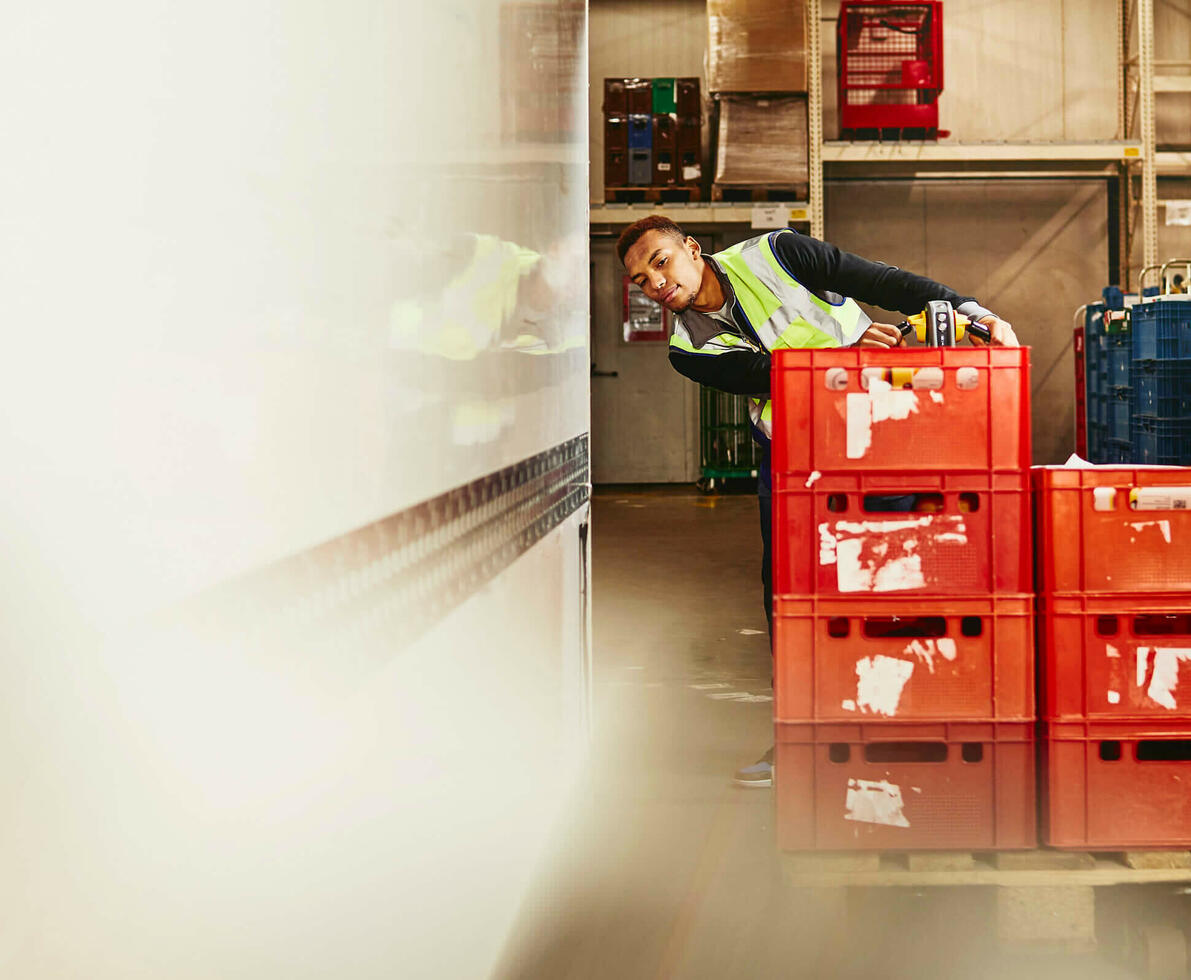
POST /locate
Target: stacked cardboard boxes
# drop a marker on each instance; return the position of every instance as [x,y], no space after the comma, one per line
[757,78]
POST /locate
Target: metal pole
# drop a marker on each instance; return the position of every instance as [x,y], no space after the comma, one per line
[814,109]
[1149,170]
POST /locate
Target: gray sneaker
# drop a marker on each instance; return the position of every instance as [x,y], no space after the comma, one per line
[759,774]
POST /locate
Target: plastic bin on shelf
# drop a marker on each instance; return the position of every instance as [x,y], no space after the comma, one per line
[882,658]
[940,409]
[1115,656]
[1161,442]
[1123,530]
[1120,361]
[1116,785]
[1120,415]
[903,786]
[965,534]
[1161,329]
[1162,388]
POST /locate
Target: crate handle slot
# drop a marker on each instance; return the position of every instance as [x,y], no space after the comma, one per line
[1110,751]
[905,626]
[1162,624]
[902,503]
[897,752]
[1164,750]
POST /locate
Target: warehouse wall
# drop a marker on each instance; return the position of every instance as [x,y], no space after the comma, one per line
[277,271]
[1032,251]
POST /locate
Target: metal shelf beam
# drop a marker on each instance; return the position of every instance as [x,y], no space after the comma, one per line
[694,214]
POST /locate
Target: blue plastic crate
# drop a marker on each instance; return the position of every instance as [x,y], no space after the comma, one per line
[1120,362]
[1120,411]
[1095,441]
[1116,451]
[1161,330]
[640,132]
[1163,442]
[1162,388]
[1098,410]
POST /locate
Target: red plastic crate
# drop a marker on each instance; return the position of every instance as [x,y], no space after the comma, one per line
[1115,657]
[1125,529]
[848,409]
[1116,785]
[904,786]
[979,539]
[879,658]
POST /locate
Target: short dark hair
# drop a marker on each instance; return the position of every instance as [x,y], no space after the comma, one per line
[651,222]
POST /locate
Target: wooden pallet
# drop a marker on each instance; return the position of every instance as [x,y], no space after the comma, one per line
[1043,900]
[758,195]
[653,195]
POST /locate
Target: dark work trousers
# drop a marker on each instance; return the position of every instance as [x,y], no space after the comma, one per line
[765,497]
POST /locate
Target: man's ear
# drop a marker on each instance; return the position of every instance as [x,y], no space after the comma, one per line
[692,247]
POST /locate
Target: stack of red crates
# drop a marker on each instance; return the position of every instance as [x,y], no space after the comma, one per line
[1114,630]
[903,641]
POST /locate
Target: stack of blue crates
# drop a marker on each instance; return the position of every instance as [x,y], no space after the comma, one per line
[1161,381]
[1108,369]
[1095,380]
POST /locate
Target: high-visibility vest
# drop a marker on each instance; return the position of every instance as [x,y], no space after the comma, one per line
[777,310]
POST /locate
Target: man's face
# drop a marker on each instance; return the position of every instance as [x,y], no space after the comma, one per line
[666,268]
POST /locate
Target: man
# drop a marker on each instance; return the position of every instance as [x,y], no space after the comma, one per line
[776,290]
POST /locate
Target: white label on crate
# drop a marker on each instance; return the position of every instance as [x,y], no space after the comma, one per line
[879,683]
[927,379]
[875,801]
[1114,697]
[691,173]
[827,543]
[1111,652]
[1164,677]
[663,167]
[967,379]
[812,479]
[1104,498]
[885,556]
[1163,526]
[881,404]
[1160,498]
[927,650]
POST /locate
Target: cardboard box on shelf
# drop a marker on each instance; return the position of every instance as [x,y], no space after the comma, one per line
[756,46]
[762,140]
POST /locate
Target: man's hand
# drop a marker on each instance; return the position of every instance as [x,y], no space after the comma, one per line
[1002,333]
[881,335]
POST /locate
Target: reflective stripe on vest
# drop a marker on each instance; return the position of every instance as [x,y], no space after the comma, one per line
[782,311]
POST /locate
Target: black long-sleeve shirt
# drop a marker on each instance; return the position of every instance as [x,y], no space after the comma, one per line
[829,273]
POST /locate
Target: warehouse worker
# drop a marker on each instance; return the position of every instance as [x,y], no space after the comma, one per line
[777,290]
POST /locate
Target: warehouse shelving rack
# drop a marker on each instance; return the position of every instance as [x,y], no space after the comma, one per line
[1133,159]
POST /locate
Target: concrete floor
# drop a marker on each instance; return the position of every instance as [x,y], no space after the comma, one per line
[665,868]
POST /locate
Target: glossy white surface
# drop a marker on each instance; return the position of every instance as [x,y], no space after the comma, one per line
[273,270]
[276,270]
